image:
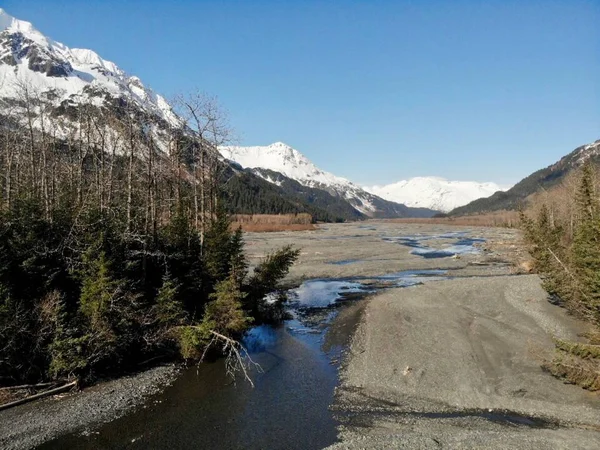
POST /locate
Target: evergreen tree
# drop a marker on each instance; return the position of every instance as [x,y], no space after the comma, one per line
[68,356]
[168,310]
[224,313]
[217,252]
[265,280]
[585,251]
[237,258]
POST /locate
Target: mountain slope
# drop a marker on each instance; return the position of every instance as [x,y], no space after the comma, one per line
[542,179]
[434,193]
[32,64]
[39,74]
[292,164]
[249,193]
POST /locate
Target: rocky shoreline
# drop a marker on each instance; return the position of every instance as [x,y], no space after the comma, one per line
[30,425]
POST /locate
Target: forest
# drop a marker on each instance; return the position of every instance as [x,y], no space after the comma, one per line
[116,247]
[562,230]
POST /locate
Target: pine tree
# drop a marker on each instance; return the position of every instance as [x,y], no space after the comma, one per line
[224,313]
[265,280]
[237,258]
[585,250]
[217,251]
[68,349]
[168,310]
[98,289]
[97,304]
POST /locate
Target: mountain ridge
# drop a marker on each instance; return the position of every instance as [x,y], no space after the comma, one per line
[541,179]
[31,60]
[290,163]
[59,81]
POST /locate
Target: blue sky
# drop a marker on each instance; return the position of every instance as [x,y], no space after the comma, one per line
[375,91]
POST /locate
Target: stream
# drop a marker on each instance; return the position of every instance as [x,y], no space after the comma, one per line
[288,407]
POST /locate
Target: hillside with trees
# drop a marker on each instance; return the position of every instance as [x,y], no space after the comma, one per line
[115,243]
[540,180]
[562,229]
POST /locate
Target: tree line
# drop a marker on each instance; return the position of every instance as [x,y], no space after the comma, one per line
[564,239]
[115,240]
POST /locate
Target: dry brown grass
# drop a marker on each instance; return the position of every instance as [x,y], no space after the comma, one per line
[507,219]
[576,370]
[266,228]
[264,223]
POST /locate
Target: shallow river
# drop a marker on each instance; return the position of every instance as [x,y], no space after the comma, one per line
[289,405]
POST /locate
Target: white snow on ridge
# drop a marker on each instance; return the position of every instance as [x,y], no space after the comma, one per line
[79,68]
[435,192]
[422,192]
[282,158]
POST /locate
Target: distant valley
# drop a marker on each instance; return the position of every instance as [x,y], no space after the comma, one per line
[279,163]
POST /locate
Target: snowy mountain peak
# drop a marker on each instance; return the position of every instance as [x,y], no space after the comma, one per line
[9,22]
[27,57]
[280,157]
[434,192]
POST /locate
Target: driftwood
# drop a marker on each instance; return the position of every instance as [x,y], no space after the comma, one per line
[237,358]
[57,390]
[27,386]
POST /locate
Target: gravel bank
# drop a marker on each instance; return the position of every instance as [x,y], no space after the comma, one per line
[32,424]
[456,363]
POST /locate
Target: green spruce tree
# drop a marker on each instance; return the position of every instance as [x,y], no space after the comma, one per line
[585,251]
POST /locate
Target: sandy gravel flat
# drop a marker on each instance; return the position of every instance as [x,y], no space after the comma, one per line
[365,245]
[30,425]
[453,363]
[456,364]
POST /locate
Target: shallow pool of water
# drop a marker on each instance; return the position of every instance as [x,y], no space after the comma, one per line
[462,245]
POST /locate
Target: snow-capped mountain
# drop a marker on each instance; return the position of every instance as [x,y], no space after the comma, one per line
[282,158]
[434,192]
[35,65]
[42,78]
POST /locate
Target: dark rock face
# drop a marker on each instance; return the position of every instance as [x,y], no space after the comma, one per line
[42,61]
[15,47]
[8,59]
[103,71]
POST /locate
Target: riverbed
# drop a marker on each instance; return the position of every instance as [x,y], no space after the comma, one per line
[342,269]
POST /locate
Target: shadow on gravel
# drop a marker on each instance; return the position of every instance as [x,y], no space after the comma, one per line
[365,419]
[376,408]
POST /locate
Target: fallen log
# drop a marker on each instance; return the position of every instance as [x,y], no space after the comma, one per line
[27,386]
[22,401]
